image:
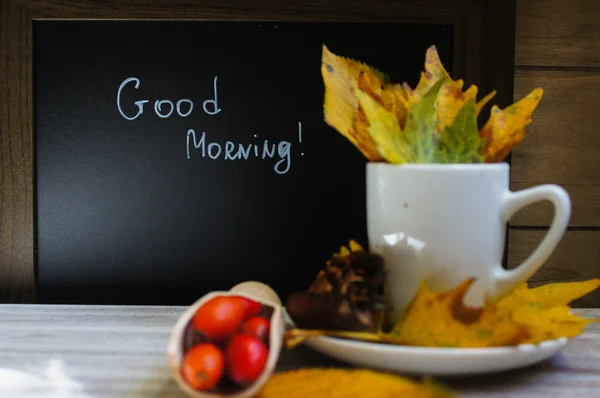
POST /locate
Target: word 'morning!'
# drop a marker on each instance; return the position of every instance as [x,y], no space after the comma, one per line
[165,108]
[238,151]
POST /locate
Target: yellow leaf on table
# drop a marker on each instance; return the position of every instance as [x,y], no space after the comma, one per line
[506,128]
[347,383]
[439,319]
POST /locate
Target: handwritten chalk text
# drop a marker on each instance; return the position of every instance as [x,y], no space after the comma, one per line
[227,150]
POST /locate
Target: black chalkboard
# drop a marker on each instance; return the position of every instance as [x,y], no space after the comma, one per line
[131,212]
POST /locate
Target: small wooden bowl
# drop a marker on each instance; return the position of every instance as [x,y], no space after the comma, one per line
[256,291]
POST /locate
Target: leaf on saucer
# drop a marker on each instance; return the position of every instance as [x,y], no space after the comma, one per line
[545,311]
[549,324]
[439,319]
[524,316]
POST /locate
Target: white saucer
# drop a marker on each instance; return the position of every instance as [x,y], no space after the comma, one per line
[433,361]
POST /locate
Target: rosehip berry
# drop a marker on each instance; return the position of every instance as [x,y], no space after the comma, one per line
[220,318]
[245,358]
[253,308]
[257,326]
[203,366]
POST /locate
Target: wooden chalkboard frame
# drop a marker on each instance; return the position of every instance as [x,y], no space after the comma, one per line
[484,41]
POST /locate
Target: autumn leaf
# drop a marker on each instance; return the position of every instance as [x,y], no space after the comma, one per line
[441,320]
[545,309]
[506,128]
[449,102]
[548,295]
[434,74]
[432,123]
[385,130]
[562,293]
[459,142]
[341,79]
[347,383]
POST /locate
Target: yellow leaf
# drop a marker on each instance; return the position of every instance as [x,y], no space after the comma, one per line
[549,324]
[441,320]
[341,79]
[558,294]
[450,101]
[400,104]
[383,128]
[434,72]
[483,102]
[347,383]
[506,128]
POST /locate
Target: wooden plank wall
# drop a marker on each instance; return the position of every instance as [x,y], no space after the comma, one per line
[558,49]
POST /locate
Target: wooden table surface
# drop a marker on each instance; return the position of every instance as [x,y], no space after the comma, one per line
[119,351]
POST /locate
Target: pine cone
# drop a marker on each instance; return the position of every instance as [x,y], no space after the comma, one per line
[349,294]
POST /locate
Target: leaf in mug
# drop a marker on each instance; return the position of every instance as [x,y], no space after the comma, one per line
[483,102]
[459,142]
[385,130]
[341,78]
[439,319]
[506,128]
[449,102]
[434,73]
[421,128]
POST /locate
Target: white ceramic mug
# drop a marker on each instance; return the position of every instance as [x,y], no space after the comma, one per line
[444,223]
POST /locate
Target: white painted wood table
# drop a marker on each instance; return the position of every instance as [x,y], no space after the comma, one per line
[54,351]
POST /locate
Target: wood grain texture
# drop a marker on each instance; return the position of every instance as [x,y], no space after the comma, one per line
[562,146]
[577,257]
[114,351]
[585,208]
[558,33]
[16,156]
[483,38]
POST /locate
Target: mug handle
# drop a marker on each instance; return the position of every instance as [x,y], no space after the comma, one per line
[504,280]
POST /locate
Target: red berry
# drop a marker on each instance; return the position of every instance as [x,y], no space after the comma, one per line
[245,358]
[203,366]
[257,326]
[253,308]
[220,318]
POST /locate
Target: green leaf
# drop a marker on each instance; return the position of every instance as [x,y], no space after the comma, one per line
[421,127]
[460,142]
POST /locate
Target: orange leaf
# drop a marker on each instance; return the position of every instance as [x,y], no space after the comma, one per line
[506,128]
